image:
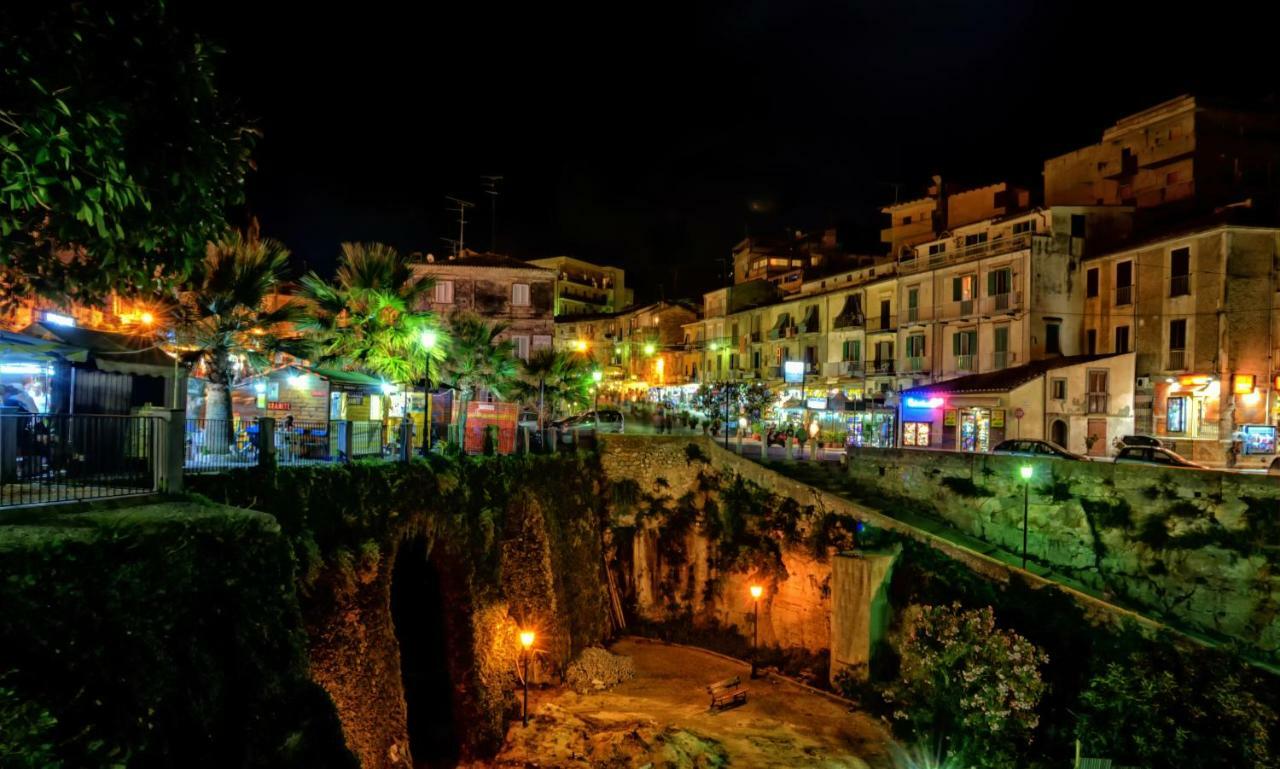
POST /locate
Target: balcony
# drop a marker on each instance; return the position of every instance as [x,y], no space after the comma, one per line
[961,309]
[849,320]
[1008,302]
[1096,403]
[919,314]
[1179,285]
[965,364]
[1001,359]
[882,323]
[782,332]
[880,367]
[754,337]
[1124,295]
[1176,360]
[915,364]
[920,263]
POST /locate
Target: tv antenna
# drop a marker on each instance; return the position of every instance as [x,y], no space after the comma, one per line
[460,207]
[491,189]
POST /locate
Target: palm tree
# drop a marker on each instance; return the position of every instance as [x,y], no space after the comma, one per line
[230,322]
[368,318]
[552,378]
[477,359]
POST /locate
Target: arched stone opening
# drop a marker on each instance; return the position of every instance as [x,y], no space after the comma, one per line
[1058,433]
[418,613]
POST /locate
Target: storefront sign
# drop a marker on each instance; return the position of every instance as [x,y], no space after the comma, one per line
[923,403]
[279,405]
[1259,439]
[1242,384]
[949,418]
[819,404]
[997,418]
[793,371]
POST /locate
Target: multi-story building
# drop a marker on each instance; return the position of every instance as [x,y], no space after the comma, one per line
[583,288]
[1197,306]
[787,261]
[944,207]
[496,287]
[639,348]
[1179,155]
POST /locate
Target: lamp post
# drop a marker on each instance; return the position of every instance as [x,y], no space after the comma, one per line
[756,592]
[596,376]
[1026,471]
[526,644]
[427,339]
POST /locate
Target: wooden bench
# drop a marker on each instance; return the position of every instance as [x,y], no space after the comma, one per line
[727,693]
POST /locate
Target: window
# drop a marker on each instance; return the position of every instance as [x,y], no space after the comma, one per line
[520,294]
[443,292]
[1122,339]
[1180,272]
[1091,342]
[1058,389]
[541,341]
[1077,225]
[1022,228]
[522,347]
[755,360]
[1000,282]
[852,349]
[915,434]
[915,346]
[1052,340]
[975,239]
[962,288]
[1178,334]
[1097,391]
[1124,283]
[1175,417]
[905,220]
[937,248]
[1091,283]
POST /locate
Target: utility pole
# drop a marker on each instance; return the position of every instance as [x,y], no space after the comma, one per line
[491,189]
[461,211]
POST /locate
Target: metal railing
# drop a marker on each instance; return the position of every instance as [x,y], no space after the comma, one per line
[915,364]
[1176,360]
[919,262]
[51,458]
[882,322]
[1124,295]
[214,445]
[1179,285]
[1097,403]
[1006,302]
[302,442]
[848,320]
[880,366]
[965,363]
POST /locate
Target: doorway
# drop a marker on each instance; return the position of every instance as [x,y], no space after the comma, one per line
[1058,433]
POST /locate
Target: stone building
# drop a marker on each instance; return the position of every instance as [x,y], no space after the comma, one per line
[583,288]
[1180,155]
[641,347]
[1196,304]
[497,288]
[946,206]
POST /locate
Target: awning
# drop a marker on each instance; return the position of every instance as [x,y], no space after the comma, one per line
[21,348]
[109,351]
[783,320]
[348,380]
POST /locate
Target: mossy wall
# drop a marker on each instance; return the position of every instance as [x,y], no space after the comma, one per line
[515,540]
[157,636]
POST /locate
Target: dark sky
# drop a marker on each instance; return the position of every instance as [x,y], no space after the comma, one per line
[638,133]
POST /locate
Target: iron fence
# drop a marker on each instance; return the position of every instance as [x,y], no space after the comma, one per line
[50,458]
[214,445]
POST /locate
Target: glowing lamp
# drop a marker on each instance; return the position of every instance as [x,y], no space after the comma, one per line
[260,387]
[298,381]
[714,346]
[58,319]
[388,388]
[813,429]
[742,422]
[650,348]
[1243,384]
[756,592]
[1252,399]
[580,345]
[1026,472]
[1194,380]
[428,339]
[22,368]
[597,375]
[923,403]
[147,318]
[526,639]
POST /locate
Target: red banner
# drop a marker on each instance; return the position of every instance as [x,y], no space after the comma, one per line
[481,416]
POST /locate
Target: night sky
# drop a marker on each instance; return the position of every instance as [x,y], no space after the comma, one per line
[641,134]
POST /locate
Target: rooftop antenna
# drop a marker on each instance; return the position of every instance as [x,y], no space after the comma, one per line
[491,189]
[897,189]
[453,247]
[461,211]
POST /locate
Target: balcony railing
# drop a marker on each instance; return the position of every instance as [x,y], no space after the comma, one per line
[1176,360]
[882,323]
[1179,285]
[782,332]
[849,320]
[965,363]
[1124,295]
[957,254]
[51,458]
[1002,359]
[918,314]
[915,364]
[1009,301]
[880,367]
[754,336]
[1097,403]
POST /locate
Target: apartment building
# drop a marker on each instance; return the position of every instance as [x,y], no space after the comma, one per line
[1182,154]
[584,288]
[946,206]
[498,288]
[641,347]
[1196,305]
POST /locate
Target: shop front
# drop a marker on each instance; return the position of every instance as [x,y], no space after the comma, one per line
[1186,411]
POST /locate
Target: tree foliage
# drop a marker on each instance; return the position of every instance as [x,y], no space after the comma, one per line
[553,381]
[368,318]
[478,359]
[119,156]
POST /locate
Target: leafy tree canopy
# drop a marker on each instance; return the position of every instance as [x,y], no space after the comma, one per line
[118,154]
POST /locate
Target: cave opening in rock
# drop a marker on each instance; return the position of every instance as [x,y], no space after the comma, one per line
[418,611]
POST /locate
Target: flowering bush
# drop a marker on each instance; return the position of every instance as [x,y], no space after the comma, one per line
[962,676]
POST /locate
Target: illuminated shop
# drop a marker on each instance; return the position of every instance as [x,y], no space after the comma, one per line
[1187,414]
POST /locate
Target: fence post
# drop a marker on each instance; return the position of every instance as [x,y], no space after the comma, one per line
[8,444]
[406,439]
[168,446]
[346,441]
[267,441]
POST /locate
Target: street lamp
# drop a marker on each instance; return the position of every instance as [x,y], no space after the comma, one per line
[526,644]
[428,340]
[650,348]
[596,376]
[756,592]
[1026,471]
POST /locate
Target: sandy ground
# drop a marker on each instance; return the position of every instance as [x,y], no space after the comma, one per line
[661,719]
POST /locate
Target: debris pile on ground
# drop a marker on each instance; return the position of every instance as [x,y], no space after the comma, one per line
[596,669]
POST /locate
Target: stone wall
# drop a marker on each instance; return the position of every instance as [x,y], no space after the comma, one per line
[1198,548]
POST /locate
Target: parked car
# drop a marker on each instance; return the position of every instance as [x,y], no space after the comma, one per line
[1018,447]
[607,421]
[1155,455]
[1137,440]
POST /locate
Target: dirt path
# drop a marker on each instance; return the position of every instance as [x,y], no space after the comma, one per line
[661,718]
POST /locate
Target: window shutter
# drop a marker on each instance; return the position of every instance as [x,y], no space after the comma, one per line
[955,289]
[857,349]
[991,283]
[955,343]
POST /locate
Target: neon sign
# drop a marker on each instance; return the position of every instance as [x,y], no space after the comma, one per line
[924,403]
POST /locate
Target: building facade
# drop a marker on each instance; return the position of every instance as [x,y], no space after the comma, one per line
[498,288]
[583,288]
